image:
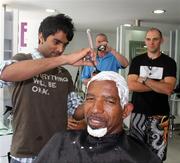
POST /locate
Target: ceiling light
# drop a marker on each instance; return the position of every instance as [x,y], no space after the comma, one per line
[50,10]
[127,25]
[159,11]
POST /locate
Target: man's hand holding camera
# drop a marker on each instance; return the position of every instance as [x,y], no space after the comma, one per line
[105,47]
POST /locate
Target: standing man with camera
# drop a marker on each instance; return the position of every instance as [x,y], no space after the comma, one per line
[108,59]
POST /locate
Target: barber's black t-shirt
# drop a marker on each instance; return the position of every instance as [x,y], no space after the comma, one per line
[152,103]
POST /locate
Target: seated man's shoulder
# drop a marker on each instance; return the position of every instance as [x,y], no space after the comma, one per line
[141,151]
[69,134]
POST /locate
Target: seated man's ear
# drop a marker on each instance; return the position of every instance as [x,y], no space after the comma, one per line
[128,108]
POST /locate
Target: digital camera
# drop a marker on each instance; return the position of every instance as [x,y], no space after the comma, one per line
[101,48]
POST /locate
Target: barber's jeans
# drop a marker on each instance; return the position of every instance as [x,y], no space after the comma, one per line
[151,130]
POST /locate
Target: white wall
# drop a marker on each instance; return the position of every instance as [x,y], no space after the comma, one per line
[1,55]
[31,36]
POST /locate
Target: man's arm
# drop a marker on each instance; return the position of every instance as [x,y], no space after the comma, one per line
[85,81]
[79,112]
[166,86]
[135,84]
[26,69]
[122,59]
[76,125]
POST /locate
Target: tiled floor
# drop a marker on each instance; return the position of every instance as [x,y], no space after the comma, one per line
[173,154]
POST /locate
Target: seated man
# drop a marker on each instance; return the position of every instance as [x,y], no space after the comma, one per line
[104,141]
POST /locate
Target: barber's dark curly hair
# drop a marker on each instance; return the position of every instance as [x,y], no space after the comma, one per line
[60,22]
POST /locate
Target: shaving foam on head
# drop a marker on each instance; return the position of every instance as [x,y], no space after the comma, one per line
[121,84]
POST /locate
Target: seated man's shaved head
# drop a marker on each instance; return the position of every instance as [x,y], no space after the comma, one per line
[105,104]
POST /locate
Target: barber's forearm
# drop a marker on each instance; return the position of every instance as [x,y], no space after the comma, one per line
[26,69]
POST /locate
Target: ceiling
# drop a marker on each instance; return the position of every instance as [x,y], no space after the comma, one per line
[106,14]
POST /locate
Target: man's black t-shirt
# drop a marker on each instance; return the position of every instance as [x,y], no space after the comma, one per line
[152,103]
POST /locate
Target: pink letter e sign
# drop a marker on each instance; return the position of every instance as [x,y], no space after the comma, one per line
[23,27]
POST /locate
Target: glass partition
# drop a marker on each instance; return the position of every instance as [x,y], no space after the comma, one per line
[7,49]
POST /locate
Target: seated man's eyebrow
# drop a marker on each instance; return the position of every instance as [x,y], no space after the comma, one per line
[111,98]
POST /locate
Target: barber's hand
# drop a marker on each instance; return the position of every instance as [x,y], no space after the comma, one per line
[78,58]
[76,125]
